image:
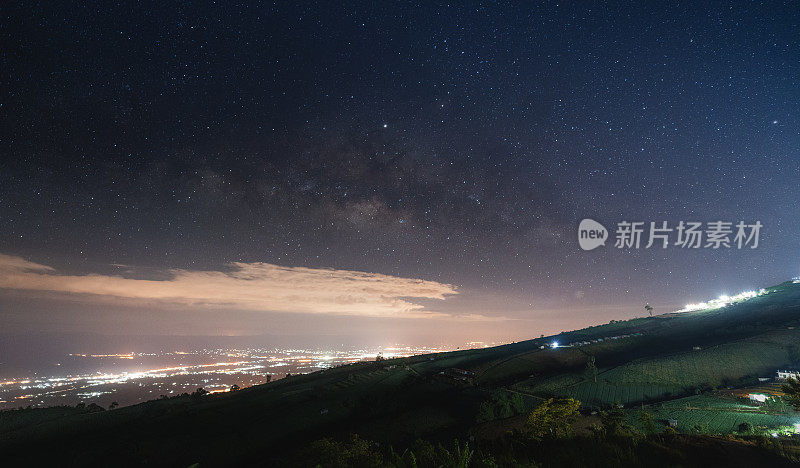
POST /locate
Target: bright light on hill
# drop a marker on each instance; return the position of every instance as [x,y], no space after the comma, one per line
[723,300]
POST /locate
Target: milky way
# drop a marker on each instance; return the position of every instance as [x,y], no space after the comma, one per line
[459,145]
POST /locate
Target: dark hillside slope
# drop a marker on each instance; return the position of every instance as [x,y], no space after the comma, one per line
[396,401]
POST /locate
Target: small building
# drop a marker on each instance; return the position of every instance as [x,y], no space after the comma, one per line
[673,423]
[758,398]
[788,374]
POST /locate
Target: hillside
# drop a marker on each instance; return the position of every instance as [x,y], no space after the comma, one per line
[683,360]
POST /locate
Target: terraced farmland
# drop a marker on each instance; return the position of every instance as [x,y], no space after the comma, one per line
[718,415]
[714,366]
[603,394]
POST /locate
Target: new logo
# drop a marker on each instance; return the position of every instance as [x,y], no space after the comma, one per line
[591,234]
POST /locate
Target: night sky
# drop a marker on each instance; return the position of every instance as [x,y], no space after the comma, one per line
[313,145]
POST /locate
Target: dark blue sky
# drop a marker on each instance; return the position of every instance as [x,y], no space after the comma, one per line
[456,144]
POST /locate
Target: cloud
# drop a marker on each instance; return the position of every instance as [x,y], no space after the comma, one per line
[246,286]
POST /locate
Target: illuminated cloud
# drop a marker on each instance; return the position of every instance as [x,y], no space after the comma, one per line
[246,286]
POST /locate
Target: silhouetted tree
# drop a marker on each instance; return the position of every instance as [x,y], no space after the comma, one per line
[94,408]
[234,387]
[113,405]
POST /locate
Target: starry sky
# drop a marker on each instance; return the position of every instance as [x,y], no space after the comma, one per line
[399,169]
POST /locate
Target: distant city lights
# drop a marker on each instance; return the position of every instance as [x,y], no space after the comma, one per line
[147,376]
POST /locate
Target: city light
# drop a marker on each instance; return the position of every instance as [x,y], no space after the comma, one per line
[723,301]
[187,371]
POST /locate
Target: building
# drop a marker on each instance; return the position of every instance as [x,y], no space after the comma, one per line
[788,374]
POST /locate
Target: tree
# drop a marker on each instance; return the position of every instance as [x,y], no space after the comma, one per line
[591,370]
[353,452]
[234,387]
[649,309]
[505,409]
[792,390]
[460,457]
[553,418]
[745,428]
[485,412]
[501,404]
[648,421]
[94,408]
[199,392]
[614,420]
[517,403]
[113,405]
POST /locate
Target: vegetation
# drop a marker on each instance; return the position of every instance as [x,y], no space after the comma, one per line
[553,418]
[792,390]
